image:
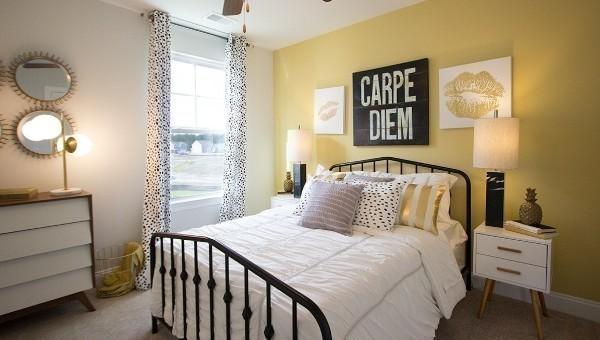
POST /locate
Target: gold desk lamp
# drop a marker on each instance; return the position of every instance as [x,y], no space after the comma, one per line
[68,144]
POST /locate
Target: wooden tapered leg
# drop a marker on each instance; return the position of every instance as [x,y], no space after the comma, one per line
[492,290]
[535,303]
[85,301]
[543,304]
[489,285]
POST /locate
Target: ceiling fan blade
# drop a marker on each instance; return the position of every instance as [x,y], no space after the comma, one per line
[232,7]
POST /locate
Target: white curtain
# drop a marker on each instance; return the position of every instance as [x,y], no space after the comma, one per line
[234,177]
[156,213]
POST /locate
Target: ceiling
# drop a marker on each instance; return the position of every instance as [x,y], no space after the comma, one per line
[274,24]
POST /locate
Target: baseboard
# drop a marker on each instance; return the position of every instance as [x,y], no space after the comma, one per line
[582,308]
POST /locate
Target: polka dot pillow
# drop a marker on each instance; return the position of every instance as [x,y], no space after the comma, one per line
[378,205]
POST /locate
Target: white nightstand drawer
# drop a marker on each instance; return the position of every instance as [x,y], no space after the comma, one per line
[517,273]
[521,251]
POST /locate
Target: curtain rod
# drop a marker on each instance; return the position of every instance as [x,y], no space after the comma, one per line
[198,30]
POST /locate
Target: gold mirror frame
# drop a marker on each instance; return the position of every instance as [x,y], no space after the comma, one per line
[3,132]
[2,75]
[15,126]
[29,56]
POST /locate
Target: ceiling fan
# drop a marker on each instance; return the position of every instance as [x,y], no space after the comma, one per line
[235,7]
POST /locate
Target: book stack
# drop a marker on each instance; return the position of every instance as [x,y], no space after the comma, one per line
[538,230]
[17,194]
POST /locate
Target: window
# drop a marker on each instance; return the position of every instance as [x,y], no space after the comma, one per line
[197,127]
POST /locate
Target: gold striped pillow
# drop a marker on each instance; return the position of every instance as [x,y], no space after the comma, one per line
[420,206]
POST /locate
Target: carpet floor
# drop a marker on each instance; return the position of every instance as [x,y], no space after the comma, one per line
[127,318]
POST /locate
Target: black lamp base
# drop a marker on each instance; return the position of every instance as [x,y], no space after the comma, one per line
[299,178]
[494,199]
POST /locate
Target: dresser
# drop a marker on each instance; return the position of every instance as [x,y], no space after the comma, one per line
[516,259]
[46,253]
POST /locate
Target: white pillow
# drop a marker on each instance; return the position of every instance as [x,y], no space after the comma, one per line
[378,205]
[449,181]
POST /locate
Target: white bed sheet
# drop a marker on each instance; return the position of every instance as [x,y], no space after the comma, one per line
[370,285]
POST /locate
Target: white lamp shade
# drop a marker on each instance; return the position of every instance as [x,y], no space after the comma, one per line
[299,145]
[84,144]
[496,143]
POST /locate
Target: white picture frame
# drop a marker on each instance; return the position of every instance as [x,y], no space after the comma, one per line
[474,91]
[329,111]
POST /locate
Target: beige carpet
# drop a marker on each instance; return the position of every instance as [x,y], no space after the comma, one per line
[128,317]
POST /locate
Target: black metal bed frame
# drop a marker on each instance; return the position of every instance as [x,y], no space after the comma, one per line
[270,280]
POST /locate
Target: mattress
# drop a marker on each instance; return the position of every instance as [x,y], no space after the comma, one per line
[371,285]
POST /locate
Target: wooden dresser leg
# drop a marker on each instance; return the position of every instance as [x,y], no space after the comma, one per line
[543,304]
[492,290]
[85,301]
[535,303]
[489,285]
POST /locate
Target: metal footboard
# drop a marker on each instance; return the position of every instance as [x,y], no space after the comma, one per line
[170,274]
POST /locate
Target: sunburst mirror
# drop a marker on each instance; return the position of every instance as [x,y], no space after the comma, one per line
[2,74]
[3,132]
[37,130]
[42,78]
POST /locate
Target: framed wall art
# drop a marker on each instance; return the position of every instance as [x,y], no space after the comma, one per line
[474,91]
[329,111]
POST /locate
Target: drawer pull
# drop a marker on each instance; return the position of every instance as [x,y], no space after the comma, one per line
[510,249]
[510,271]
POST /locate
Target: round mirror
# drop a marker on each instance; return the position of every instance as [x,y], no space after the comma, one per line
[37,131]
[41,78]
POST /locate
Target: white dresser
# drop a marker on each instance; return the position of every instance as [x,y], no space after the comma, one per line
[46,253]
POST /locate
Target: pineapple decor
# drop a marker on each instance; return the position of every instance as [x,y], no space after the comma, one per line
[530,212]
[288,184]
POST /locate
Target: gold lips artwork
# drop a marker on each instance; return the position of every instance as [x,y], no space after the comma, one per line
[328,110]
[473,95]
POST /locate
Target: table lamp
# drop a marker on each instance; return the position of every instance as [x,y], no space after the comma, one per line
[77,144]
[496,147]
[299,150]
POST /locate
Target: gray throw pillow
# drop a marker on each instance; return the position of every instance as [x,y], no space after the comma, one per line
[331,206]
[351,178]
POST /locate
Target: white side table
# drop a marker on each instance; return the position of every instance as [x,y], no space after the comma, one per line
[516,259]
[283,199]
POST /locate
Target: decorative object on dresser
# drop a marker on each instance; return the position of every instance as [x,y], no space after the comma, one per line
[15,194]
[284,199]
[530,212]
[495,146]
[474,91]
[329,111]
[46,253]
[288,184]
[299,150]
[517,259]
[391,104]
[42,78]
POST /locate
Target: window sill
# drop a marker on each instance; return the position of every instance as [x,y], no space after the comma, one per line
[194,203]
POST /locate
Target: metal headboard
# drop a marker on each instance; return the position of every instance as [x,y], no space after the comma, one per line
[355,165]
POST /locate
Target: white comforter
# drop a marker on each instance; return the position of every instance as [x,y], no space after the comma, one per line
[347,277]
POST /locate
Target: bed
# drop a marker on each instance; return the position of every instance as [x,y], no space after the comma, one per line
[264,276]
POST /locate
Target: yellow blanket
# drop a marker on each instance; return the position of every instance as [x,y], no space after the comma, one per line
[121,281]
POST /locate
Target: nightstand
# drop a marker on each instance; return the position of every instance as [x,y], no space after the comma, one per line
[516,259]
[283,199]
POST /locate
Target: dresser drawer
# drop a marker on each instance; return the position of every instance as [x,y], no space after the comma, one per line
[35,267]
[43,240]
[34,292]
[521,274]
[30,216]
[506,248]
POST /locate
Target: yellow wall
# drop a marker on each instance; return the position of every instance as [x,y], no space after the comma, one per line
[556,82]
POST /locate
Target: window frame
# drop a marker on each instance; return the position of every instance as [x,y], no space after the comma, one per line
[185,203]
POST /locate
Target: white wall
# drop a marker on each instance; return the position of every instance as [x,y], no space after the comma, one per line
[107,48]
